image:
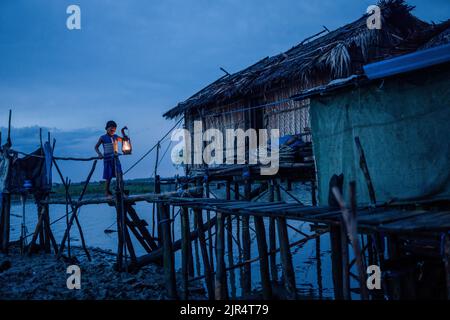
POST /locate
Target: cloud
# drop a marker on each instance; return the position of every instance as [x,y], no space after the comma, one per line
[68,142]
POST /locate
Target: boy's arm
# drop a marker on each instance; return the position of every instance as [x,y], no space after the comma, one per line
[97,146]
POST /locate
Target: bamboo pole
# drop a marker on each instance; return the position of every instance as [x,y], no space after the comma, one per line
[336,261]
[201,236]
[221,276]
[185,239]
[208,219]
[272,238]
[168,256]
[313,193]
[264,261]
[300,242]
[190,255]
[319,268]
[447,263]
[350,224]
[67,186]
[6,197]
[120,234]
[345,263]
[74,208]
[137,235]
[230,243]
[246,245]
[286,258]
[140,226]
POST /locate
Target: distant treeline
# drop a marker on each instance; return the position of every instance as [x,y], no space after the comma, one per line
[134,186]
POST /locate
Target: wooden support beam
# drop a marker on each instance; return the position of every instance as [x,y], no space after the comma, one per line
[185,240]
[130,247]
[140,226]
[336,261]
[345,263]
[229,233]
[157,254]
[210,238]
[5,221]
[264,261]
[74,208]
[201,236]
[246,245]
[48,230]
[365,170]
[319,268]
[221,275]
[168,256]
[190,255]
[36,233]
[447,263]
[120,232]
[313,193]
[137,235]
[286,258]
[272,238]
[350,230]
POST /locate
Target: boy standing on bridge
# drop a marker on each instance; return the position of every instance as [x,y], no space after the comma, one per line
[110,150]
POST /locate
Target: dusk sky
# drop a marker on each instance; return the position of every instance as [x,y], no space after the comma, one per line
[132,60]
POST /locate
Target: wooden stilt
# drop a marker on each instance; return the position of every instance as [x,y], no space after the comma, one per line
[336,261]
[120,234]
[36,233]
[210,238]
[313,193]
[319,268]
[83,241]
[345,264]
[447,263]
[201,236]
[230,244]
[190,255]
[155,215]
[289,185]
[238,234]
[272,239]
[246,245]
[221,275]
[168,255]
[74,208]
[264,260]
[130,247]
[6,213]
[185,239]
[286,258]
[353,231]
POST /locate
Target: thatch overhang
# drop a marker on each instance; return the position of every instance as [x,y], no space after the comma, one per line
[337,54]
[436,52]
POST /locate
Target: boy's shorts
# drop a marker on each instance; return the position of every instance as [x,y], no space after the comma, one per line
[108,169]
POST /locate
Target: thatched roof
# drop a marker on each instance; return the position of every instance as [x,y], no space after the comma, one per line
[337,54]
[440,39]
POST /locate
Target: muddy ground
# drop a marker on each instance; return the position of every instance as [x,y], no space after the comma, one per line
[43,277]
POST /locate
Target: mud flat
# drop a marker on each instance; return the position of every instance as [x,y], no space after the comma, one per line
[42,277]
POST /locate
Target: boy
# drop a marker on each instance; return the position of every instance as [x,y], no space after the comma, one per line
[110,149]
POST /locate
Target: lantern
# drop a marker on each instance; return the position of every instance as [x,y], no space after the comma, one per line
[126,142]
